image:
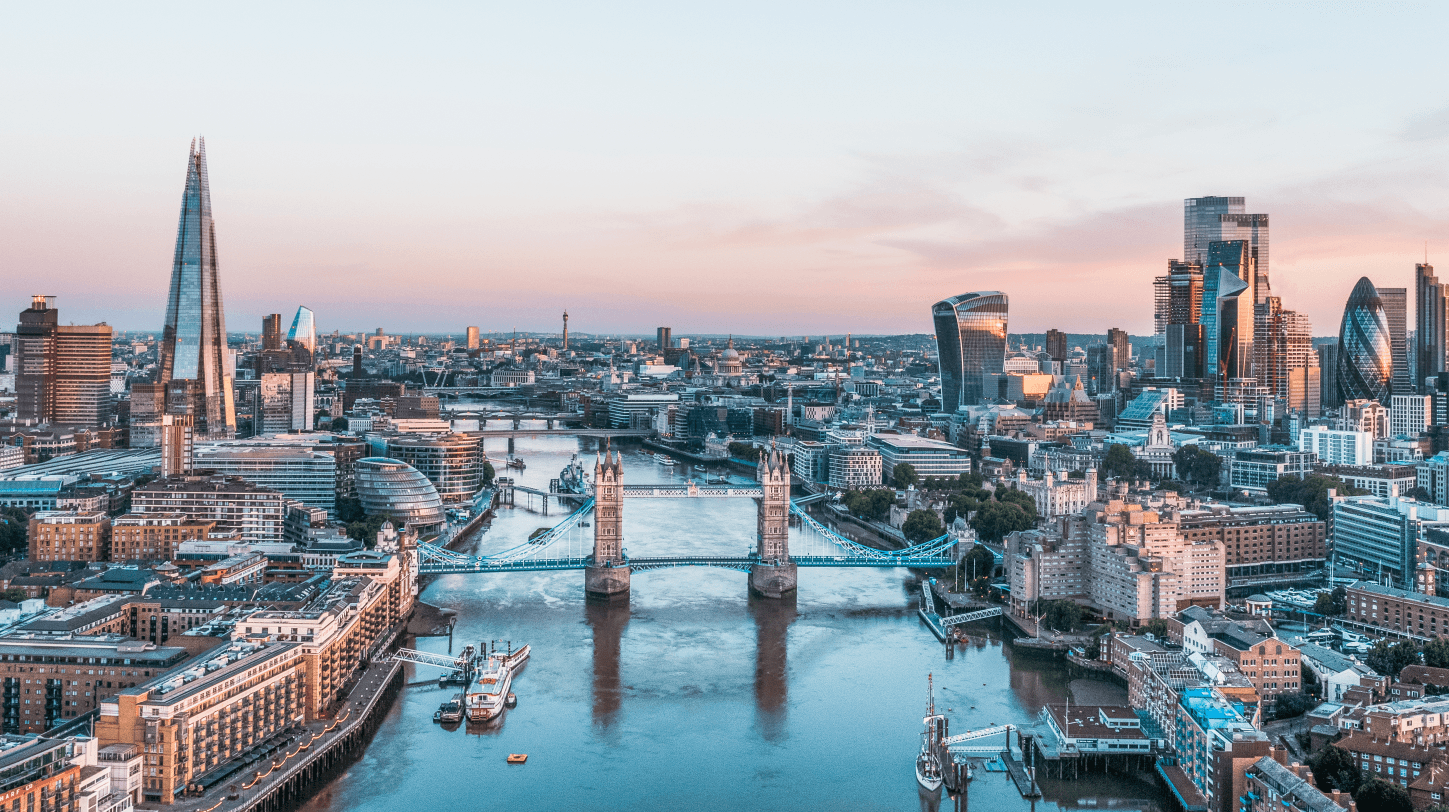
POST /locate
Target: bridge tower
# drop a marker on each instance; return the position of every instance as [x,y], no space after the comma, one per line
[775,576]
[608,577]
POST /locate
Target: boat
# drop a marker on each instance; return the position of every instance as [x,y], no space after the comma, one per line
[517,758]
[450,711]
[488,696]
[699,468]
[928,764]
[663,459]
[517,462]
[511,701]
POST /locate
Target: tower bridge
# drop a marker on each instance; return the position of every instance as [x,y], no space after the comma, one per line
[771,566]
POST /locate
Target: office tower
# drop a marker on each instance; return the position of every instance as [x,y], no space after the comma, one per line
[1429,330]
[357,361]
[1305,390]
[303,334]
[193,353]
[1100,369]
[970,343]
[1121,349]
[1178,311]
[1283,342]
[662,335]
[1396,310]
[1207,220]
[1364,351]
[35,360]
[175,439]
[1227,323]
[1056,345]
[272,332]
[472,338]
[62,372]
[1328,372]
[566,331]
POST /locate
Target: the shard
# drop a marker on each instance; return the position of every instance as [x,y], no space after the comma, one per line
[194,363]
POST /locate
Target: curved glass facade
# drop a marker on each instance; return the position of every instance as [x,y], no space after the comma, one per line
[304,330]
[971,343]
[452,462]
[1365,353]
[398,491]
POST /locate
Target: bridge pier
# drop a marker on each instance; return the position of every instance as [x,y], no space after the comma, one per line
[777,580]
[606,583]
[510,444]
[607,576]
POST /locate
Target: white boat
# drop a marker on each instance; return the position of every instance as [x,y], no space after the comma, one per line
[663,459]
[488,696]
[928,765]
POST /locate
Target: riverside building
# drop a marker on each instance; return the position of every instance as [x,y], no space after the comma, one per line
[307,476]
[234,505]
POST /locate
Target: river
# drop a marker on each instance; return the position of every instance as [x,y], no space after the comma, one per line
[694,695]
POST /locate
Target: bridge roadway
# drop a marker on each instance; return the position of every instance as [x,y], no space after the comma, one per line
[742,563]
[576,432]
[690,491]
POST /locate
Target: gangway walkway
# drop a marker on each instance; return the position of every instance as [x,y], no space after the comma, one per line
[968,617]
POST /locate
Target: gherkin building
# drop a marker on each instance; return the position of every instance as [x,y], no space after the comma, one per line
[1365,359]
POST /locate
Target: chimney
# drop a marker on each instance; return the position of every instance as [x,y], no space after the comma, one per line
[1279,754]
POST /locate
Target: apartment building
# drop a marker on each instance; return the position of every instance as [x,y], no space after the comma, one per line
[231,503]
[1260,544]
[1048,564]
[1392,612]
[70,536]
[223,705]
[48,678]
[1273,786]
[1395,761]
[154,536]
[1143,568]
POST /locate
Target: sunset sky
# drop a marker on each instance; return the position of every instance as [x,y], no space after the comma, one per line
[761,168]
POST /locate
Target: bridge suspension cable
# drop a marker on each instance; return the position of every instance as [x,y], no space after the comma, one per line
[934,549]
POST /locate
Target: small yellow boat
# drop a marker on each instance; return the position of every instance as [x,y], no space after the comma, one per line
[517,758]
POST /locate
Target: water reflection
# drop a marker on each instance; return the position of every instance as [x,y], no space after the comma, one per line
[607,619]
[772,626]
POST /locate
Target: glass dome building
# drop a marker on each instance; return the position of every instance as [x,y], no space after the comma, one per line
[1365,354]
[400,492]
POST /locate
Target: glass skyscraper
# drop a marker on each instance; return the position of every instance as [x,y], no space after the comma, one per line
[194,363]
[304,330]
[1396,309]
[971,343]
[1207,220]
[1429,332]
[1227,324]
[1365,352]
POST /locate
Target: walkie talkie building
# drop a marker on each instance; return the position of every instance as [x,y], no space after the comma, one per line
[971,343]
[194,361]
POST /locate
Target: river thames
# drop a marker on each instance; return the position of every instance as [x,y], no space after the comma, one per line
[694,695]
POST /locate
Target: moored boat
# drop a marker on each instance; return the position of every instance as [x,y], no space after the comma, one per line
[450,711]
[663,459]
[489,694]
[928,764]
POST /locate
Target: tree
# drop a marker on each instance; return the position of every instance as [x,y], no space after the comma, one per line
[959,504]
[923,525]
[14,594]
[749,452]
[995,519]
[1333,768]
[1197,466]
[1436,653]
[1062,616]
[1340,600]
[904,475]
[1420,493]
[1119,462]
[1157,627]
[349,510]
[1323,604]
[1378,795]
[1311,492]
[873,505]
[1390,658]
[365,531]
[14,530]
[1287,706]
[339,424]
[1016,497]
[977,565]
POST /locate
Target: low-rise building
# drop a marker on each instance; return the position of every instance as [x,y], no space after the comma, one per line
[50,678]
[1261,544]
[1337,673]
[1273,786]
[929,458]
[1059,495]
[1384,481]
[853,467]
[233,504]
[1252,469]
[1388,611]
[154,536]
[1394,761]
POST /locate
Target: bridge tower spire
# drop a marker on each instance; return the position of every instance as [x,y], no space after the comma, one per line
[607,577]
[774,576]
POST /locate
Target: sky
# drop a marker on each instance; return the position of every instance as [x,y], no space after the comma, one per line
[773,168]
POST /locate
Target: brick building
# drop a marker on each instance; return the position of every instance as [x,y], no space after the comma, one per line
[70,536]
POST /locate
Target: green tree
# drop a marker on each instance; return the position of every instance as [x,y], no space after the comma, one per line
[1016,497]
[365,531]
[1333,768]
[1420,493]
[1197,466]
[960,504]
[488,473]
[14,530]
[922,525]
[1062,616]
[1378,795]
[1340,600]
[872,505]
[339,424]
[748,452]
[977,565]
[1311,492]
[1157,627]
[1287,706]
[995,519]
[349,510]
[1390,658]
[1323,604]
[1119,462]
[14,594]
[1436,653]
[904,475]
